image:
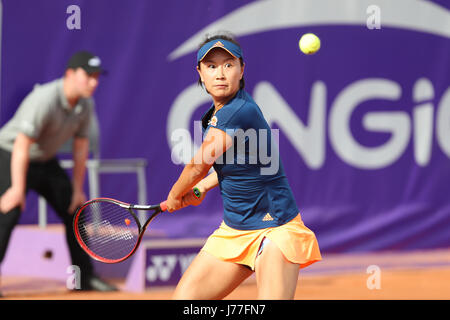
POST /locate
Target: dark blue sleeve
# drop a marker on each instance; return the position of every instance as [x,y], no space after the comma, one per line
[244,117]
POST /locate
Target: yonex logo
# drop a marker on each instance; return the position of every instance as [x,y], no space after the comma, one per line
[162,267]
[168,267]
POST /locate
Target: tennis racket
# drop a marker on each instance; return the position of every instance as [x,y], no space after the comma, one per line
[109,230]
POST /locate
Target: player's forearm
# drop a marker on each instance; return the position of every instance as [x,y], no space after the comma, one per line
[208,183]
[80,154]
[20,160]
[215,144]
[191,175]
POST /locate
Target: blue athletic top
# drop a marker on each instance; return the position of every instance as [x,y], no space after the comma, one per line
[253,185]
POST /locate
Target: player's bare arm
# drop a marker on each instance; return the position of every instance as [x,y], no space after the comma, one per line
[215,144]
[190,199]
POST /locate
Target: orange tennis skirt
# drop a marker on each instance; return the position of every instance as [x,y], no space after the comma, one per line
[297,243]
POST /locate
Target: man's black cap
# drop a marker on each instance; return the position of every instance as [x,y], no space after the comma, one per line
[86,60]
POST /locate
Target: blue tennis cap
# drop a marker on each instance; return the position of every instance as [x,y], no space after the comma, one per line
[226,45]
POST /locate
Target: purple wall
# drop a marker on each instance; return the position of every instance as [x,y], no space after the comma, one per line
[364,126]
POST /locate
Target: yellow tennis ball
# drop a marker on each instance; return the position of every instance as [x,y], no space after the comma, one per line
[309,43]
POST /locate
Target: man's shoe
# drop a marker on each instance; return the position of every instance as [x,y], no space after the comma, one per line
[96,284]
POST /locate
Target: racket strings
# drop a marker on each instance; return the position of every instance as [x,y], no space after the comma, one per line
[109,231]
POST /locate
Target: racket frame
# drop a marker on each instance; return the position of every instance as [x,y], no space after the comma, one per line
[155,208]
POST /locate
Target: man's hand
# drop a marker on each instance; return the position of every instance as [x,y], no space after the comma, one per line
[78,198]
[11,199]
[15,195]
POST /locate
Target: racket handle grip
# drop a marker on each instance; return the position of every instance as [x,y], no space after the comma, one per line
[195,191]
[163,206]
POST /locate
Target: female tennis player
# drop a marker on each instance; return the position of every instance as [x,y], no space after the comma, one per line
[262,230]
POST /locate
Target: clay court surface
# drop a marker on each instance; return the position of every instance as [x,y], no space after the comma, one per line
[423,275]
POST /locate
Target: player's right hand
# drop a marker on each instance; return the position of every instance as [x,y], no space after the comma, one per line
[11,199]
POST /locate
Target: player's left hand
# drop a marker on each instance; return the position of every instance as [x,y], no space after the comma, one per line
[173,203]
[78,198]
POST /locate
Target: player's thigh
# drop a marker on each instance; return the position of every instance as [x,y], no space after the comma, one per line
[208,277]
[276,277]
